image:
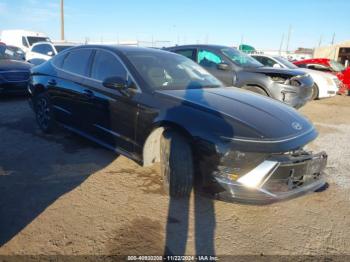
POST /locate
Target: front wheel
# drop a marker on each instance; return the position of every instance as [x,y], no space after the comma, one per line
[43,113]
[176,164]
[314,95]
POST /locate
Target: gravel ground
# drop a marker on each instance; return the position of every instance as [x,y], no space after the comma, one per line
[63,195]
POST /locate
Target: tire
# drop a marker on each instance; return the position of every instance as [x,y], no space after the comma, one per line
[314,95]
[43,113]
[176,163]
[256,89]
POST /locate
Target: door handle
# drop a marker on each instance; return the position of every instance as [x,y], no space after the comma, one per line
[88,93]
[52,82]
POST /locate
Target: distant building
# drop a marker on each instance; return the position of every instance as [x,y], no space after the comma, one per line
[299,54]
[339,52]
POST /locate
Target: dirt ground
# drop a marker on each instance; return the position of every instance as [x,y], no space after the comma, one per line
[63,195]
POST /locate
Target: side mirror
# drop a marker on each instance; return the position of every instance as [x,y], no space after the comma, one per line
[50,53]
[115,83]
[277,66]
[223,66]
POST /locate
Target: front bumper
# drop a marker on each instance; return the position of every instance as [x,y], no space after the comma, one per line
[280,177]
[295,92]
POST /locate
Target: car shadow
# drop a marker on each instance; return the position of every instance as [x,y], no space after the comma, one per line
[37,169]
[179,209]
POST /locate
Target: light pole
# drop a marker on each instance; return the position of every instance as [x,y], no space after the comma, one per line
[62,20]
[288,39]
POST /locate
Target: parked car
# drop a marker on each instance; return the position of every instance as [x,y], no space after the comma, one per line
[17,52]
[235,68]
[22,38]
[14,72]
[325,85]
[46,50]
[155,106]
[329,66]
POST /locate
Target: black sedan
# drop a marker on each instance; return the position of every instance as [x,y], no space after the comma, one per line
[14,72]
[156,106]
[235,68]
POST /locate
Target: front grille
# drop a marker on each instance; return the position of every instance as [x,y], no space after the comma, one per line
[15,76]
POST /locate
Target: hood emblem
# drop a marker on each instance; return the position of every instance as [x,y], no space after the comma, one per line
[297,126]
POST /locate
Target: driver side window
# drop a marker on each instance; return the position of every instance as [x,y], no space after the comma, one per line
[208,59]
[107,65]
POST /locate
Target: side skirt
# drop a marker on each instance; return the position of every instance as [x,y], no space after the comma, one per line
[103,144]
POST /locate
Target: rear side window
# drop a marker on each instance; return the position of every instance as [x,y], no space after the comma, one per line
[106,65]
[77,61]
[189,53]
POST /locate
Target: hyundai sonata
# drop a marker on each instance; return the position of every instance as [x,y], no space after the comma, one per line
[156,106]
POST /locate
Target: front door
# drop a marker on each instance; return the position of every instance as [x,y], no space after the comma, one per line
[210,61]
[112,115]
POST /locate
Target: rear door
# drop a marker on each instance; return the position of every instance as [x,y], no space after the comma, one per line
[111,115]
[68,91]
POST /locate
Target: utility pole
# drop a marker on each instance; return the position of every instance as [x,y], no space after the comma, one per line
[281,45]
[62,20]
[333,38]
[288,39]
[320,42]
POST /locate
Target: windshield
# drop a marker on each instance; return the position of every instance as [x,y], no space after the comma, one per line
[12,53]
[163,70]
[337,67]
[240,58]
[285,62]
[35,39]
[60,48]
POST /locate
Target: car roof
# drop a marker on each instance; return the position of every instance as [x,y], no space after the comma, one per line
[64,43]
[122,48]
[199,46]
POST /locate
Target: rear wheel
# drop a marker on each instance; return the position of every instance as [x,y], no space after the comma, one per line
[256,89]
[176,164]
[314,95]
[43,113]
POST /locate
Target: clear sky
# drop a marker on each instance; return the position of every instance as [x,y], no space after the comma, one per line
[259,23]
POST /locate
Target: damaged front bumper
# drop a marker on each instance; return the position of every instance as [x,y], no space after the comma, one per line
[295,91]
[279,177]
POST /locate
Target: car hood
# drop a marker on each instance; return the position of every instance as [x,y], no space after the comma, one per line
[318,75]
[9,65]
[265,119]
[273,70]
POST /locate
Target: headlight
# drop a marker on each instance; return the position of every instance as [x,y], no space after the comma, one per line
[278,79]
[235,164]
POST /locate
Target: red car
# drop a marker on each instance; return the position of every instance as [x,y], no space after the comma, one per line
[331,66]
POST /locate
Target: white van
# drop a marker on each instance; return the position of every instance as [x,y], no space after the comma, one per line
[22,38]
